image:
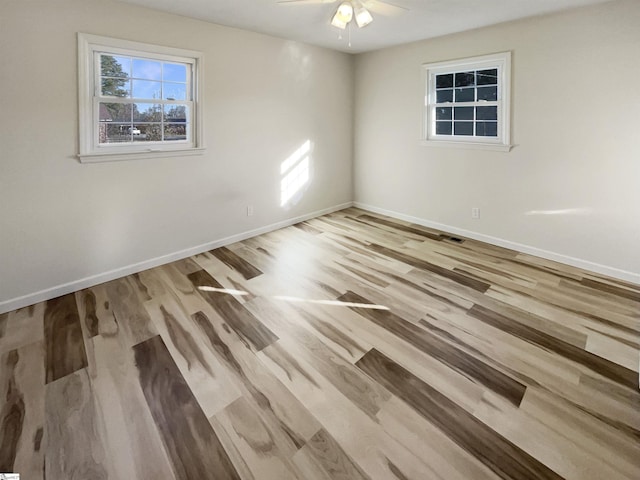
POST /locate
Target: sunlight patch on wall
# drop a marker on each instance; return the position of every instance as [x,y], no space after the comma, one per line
[562,211]
[295,173]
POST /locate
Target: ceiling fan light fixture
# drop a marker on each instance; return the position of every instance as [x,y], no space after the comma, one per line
[343,15]
[363,17]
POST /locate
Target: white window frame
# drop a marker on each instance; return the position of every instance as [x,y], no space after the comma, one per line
[500,61]
[89,97]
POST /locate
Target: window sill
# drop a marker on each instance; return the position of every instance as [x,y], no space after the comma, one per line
[138,155]
[496,147]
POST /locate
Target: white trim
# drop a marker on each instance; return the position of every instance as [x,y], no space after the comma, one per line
[73,286]
[520,247]
[139,155]
[501,61]
[89,150]
[496,147]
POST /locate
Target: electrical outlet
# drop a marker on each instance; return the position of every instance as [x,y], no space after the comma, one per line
[249,210]
[475,212]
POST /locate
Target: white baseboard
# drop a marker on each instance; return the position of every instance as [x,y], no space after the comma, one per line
[538,252]
[58,290]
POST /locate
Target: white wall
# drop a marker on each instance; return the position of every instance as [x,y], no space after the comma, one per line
[62,221]
[575,124]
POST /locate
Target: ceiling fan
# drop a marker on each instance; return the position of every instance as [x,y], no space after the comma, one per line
[358,10]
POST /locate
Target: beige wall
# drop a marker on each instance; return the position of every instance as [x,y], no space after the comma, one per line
[62,221]
[575,124]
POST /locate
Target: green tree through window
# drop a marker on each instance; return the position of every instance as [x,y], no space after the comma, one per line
[116,77]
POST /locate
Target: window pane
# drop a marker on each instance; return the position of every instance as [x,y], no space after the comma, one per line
[176,113]
[465,94]
[147,112]
[444,81]
[114,66]
[463,128]
[464,113]
[488,93]
[114,133]
[115,112]
[443,128]
[465,79]
[487,129]
[175,131]
[149,133]
[146,89]
[173,72]
[486,113]
[115,87]
[487,77]
[443,113]
[443,96]
[147,69]
[174,91]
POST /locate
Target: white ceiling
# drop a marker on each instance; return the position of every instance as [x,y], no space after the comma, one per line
[309,22]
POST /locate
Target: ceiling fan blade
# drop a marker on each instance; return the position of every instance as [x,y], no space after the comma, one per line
[384,8]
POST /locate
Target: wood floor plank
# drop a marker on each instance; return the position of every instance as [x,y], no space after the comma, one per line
[150,284]
[585,431]
[130,435]
[129,312]
[549,446]
[526,362]
[305,227]
[286,317]
[573,334]
[603,400]
[422,232]
[194,449]
[365,394]
[235,314]
[425,440]
[12,413]
[209,381]
[442,351]
[90,314]
[179,286]
[22,411]
[591,306]
[74,449]
[618,351]
[239,463]
[378,455]
[500,455]
[96,315]
[464,390]
[323,455]
[629,329]
[22,327]
[438,270]
[631,294]
[615,372]
[276,404]
[236,262]
[257,444]
[65,350]
[4,318]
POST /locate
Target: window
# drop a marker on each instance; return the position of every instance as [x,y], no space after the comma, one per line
[467,102]
[137,100]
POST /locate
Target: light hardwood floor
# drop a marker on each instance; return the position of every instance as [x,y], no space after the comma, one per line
[350,346]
